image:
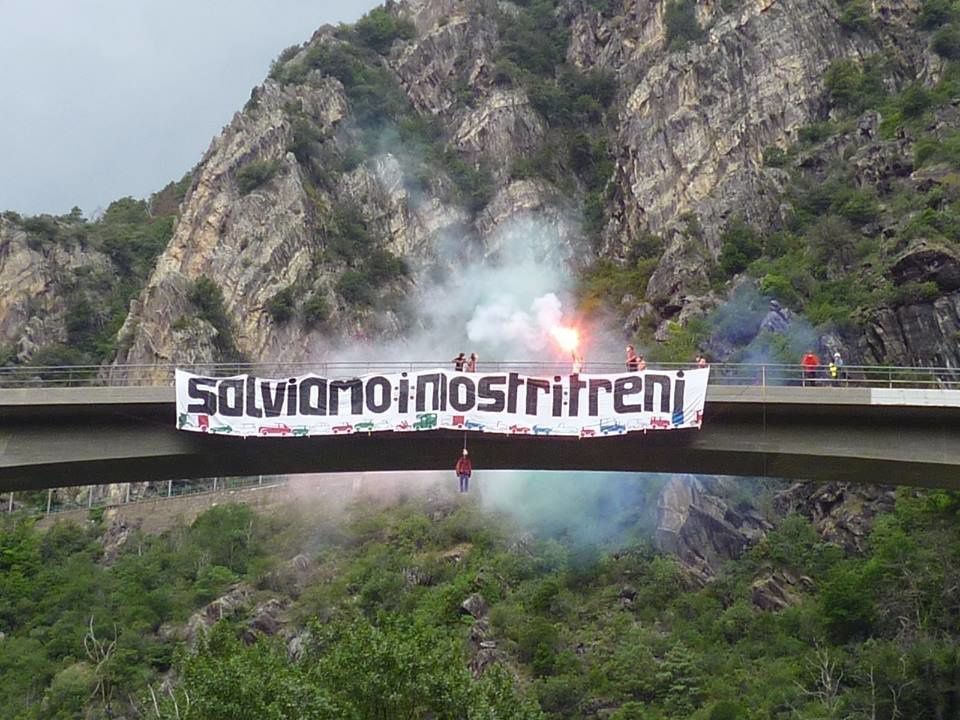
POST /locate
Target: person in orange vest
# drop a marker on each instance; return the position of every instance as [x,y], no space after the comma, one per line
[810,363]
[464,470]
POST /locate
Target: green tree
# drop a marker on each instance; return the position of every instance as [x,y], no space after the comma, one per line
[227,680]
[678,680]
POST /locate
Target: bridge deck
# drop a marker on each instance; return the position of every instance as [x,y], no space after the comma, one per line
[76,436]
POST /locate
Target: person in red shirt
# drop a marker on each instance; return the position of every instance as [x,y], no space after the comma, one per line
[810,364]
[464,470]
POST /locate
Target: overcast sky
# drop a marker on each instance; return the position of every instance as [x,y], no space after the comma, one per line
[107,98]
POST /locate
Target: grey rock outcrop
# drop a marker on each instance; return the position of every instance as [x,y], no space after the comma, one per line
[701,529]
[841,513]
[475,606]
[692,133]
[779,590]
[453,53]
[251,245]
[34,281]
[923,334]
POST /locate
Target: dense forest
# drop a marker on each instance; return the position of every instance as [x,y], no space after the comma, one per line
[434,606]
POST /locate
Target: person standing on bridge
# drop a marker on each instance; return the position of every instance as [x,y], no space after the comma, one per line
[633,362]
[459,361]
[464,470]
[472,362]
[838,361]
[810,363]
[576,366]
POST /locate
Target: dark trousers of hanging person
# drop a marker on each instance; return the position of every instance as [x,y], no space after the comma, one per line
[464,482]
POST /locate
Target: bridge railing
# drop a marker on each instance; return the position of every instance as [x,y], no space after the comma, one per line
[745,374]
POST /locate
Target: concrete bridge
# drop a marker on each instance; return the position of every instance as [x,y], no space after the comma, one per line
[57,436]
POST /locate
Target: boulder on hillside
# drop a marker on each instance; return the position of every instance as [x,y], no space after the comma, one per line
[926,261]
[779,590]
[265,619]
[475,606]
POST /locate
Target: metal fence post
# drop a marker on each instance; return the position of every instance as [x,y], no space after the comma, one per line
[90,496]
[128,493]
[169,488]
[10,502]
[49,499]
[763,376]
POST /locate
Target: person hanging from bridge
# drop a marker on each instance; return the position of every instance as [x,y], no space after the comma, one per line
[633,362]
[459,361]
[464,470]
[472,362]
[810,363]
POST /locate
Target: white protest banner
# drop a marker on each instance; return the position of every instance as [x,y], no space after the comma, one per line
[507,402]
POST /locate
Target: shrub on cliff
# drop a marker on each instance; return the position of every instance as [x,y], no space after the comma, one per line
[256,173]
[681,26]
[379,29]
[934,13]
[207,298]
[281,305]
[741,246]
[946,42]
[534,39]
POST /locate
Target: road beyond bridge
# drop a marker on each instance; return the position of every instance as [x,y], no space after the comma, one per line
[57,436]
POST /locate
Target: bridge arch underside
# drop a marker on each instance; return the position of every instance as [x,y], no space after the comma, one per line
[878,445]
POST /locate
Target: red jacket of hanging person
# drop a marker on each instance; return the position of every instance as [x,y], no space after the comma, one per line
[464,466]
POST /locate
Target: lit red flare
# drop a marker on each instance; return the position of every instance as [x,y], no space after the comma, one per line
[567,337]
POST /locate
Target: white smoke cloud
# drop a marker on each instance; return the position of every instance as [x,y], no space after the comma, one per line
[502,324]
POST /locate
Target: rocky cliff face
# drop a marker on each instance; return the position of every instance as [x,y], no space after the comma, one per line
[700,528]
[35,281]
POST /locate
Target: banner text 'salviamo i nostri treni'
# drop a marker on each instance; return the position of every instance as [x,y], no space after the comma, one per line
[510,403]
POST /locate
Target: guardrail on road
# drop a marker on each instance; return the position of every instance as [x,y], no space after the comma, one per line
[750,374]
